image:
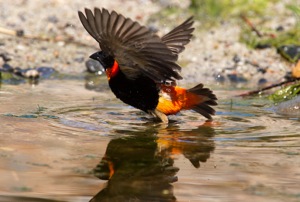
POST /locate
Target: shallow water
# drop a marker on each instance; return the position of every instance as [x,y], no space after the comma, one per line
[62,142]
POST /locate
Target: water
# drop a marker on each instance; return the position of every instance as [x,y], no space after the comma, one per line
[62,142]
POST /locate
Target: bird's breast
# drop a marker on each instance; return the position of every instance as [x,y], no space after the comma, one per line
[112,71]
[141,92]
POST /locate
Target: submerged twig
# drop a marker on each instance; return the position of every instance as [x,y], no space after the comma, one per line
[255,92]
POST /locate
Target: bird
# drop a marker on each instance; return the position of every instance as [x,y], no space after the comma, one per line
[141,67]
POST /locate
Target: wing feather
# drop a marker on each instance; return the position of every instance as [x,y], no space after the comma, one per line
[98,20]
[92,22]
[133,46]
[113,21]
[86,25]
[177,38]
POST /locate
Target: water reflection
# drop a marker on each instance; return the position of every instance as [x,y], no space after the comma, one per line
[139,166]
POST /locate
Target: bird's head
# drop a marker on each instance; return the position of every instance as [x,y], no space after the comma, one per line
[106,60]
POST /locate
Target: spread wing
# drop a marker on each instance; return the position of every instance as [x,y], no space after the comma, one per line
[134,47]
[177,38]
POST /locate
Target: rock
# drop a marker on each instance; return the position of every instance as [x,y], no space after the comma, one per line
[262,46]
[262,81]
[290,52]
[236,59]
[280,28]
[5,57]
[20,32]
[26,73]
[219,77]
[52,19]
[289,108]
[236,78]
[7,68]
[94,66]
[31,74]
[45,72]
[79,59]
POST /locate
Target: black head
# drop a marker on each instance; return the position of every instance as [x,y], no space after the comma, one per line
[107,61]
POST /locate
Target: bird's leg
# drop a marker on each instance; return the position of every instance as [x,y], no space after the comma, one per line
[159,115]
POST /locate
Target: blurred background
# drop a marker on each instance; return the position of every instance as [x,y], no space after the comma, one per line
[65,137]
[236,41]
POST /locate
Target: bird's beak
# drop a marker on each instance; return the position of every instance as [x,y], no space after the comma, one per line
[95,56]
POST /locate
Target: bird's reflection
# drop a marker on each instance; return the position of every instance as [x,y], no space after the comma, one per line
[140,165]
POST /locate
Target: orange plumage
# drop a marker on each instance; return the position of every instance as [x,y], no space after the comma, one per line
[173,99]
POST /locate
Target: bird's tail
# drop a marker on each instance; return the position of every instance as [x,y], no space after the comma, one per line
[200,100]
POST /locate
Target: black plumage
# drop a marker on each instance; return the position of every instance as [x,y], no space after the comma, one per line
[138,62]
[135,47]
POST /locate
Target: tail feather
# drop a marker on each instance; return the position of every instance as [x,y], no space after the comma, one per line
[212,102]
[208,99]
[204,110]
[174,99]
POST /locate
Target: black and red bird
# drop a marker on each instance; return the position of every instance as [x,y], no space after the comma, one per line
[141,67]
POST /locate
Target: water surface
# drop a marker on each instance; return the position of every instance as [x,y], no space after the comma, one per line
[63,142]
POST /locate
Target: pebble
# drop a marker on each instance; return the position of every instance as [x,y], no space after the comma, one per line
[7,68]
[94,66]
[45,72]
[289,108]
[79,59]
[5,57]
[52,19]
[236,78]
[290,52]
[30,73]
[262,81]
[219,78]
